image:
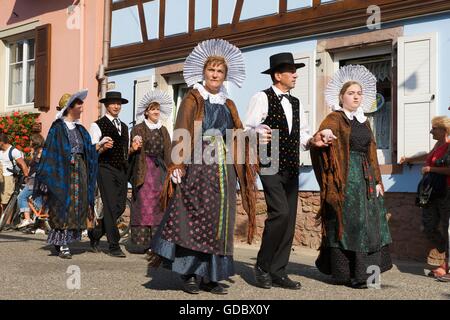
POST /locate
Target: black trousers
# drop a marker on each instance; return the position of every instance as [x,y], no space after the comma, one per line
[113,187]
[280,191]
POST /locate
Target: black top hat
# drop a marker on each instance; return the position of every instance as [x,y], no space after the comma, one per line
[113,96]
[279,59]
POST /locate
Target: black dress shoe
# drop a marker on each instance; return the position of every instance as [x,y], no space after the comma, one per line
[213,287]
[263,279]
[94,247]
[358,285]
[286,283]
[190,284]
[117,253]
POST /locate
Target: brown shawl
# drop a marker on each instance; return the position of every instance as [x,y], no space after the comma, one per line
[192,109]
[331,165]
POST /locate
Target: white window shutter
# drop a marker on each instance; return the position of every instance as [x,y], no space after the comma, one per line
[417,84]
[305,91]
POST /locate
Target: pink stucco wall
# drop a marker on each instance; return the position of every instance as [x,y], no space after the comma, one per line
[75,53]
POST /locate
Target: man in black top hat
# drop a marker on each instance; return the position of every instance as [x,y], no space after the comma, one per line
[111,138]
[276,109]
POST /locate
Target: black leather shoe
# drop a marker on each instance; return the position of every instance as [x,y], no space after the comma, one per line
[190,284]
[263,279]
[94,247]
[358,285]
[213,287]
[286,283]
[117,253]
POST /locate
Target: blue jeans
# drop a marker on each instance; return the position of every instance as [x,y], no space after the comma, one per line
[22,199]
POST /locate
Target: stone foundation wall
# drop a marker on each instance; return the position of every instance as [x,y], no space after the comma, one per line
[404,220]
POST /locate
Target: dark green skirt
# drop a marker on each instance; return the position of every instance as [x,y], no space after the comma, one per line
[364,215]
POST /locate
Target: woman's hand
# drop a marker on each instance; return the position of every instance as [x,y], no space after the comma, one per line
[426,169]
[379,189]
[403,160]
[137,143]
[176,176]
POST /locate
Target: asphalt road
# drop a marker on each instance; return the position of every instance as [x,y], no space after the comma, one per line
[28,270]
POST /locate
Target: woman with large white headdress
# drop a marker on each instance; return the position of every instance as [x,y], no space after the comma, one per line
[354,224]
[195,238]
[149,167]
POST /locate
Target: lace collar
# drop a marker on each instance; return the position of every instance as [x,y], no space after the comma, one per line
[218,98]
[71,124]
[358,114]
[153,126]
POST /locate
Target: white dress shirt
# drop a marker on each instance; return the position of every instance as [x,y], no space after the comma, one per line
[258,109]
[95,131]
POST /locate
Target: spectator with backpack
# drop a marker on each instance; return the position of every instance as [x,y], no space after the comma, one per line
[11,160]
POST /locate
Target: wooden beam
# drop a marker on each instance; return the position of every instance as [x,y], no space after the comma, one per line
[126,4]
[215,14]
[142,21]
[316,3]
[333,17]
[283,7]
[162,16]
[237,11]
[191,16]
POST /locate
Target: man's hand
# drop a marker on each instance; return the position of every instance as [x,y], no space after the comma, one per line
[379,189]
[323,138]
[403,160]
[176,176]
[106,143]
[264,133]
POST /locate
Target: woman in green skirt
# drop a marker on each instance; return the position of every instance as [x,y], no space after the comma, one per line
[355,231]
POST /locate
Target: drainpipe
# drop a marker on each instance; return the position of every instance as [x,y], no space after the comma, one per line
[101,76]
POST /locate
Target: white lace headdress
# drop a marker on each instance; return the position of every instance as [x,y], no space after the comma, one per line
[163,98]
[195,62]
[356,73]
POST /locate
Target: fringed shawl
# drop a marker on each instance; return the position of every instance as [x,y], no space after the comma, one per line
[331,167]
[53,172]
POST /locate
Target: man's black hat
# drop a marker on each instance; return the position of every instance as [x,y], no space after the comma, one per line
[113,96]
[280,59]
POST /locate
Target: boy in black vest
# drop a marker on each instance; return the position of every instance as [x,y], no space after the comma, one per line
[111,138]
[275,108]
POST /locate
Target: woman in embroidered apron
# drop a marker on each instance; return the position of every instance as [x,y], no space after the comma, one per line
[149,168]
[195,238]
[66,174]
[355,229]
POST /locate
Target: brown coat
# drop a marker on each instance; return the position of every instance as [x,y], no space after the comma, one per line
[140,166]
[331,164]
[192,109]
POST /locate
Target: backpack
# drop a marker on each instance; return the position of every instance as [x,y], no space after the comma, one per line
[15,169]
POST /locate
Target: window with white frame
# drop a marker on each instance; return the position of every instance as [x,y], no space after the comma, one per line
[21,75]
[379,61]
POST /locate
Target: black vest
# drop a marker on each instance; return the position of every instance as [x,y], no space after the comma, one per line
[117,156]
[289,143]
